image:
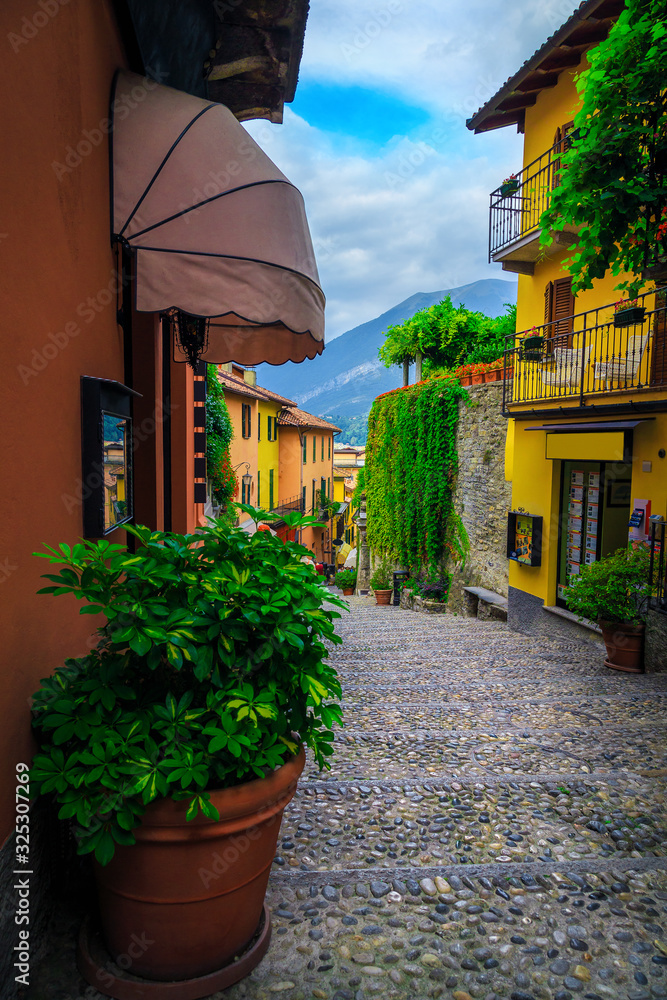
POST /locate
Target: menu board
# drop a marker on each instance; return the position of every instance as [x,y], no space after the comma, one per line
[582,521]
[524,540]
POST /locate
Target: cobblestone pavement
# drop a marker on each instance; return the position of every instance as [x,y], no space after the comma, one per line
[494,825]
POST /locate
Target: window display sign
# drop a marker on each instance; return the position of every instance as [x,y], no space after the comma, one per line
[524,538]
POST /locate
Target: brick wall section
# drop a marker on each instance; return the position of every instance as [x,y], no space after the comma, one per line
[482,496]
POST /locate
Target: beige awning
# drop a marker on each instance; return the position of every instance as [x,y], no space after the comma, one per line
[215,228]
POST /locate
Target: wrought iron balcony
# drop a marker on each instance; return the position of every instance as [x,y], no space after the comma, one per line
[591,354]
[287,506]
[516,208]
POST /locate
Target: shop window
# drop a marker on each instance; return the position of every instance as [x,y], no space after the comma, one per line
[106,455]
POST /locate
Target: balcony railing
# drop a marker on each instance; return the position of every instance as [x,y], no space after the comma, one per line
[287,506]
[590,354]
[518,204]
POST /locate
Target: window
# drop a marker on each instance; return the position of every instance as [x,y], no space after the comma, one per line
[312,506]
[323,447]
[270,489]
[329,444]
[323,489]
[328,487]
[259,426]
[303,500]
[269,437]
[246,422]
[558,311]
[314,447]
[305,453]
[259,493]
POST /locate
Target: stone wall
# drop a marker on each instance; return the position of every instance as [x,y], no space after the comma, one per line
[482,496]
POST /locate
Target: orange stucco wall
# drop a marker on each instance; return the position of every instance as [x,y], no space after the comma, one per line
[59,322]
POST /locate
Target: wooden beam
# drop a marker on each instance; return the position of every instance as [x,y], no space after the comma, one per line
[516,102]
[537,81]
[519,266]
[562,58]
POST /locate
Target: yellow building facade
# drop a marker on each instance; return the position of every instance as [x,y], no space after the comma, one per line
[587,400]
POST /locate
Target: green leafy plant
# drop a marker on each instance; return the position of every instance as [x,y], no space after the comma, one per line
[614,589]
[346,578]
[211,668]
[219,435]
[410,472]
[383,576]
[613,179]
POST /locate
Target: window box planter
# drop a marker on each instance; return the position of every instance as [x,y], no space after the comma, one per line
[508,188]
[628,317]
[493,376]
[532,348]
[478,379]
[466,380]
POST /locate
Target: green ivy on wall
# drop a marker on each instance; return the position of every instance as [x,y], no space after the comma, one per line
[219,434]
[411,466]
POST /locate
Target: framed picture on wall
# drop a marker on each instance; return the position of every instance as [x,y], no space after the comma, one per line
[619,492]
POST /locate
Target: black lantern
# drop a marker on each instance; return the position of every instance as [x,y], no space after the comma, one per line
[190,337]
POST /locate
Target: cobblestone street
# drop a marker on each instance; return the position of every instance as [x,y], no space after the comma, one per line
[493,826]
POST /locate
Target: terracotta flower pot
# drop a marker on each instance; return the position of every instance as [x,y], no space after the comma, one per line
[478,379]
[624,646]
[492,376]
[348,591]
[195,890]
[466,380]
[383,596]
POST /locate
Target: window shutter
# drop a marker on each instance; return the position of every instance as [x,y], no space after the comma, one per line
[270,489]
[243,407]
[305,448]
[259,492]
[562,310]
[659,345]
[548,304]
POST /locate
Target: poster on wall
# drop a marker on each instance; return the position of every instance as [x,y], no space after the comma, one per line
[576,478]
[524,538]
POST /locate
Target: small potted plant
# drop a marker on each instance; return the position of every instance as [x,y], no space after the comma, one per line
[532,346]
[177,742]
[627,312]
[382,581]
[509,186]
[346,579]
[614,593]
[493,371]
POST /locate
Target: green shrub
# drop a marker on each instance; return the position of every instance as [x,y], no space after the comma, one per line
[383,576]
[210,669]
[346,578]
[614,589]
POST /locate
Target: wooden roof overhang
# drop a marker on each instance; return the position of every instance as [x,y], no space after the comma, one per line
[589,24]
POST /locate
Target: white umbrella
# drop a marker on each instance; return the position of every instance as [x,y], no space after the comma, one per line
[351,560]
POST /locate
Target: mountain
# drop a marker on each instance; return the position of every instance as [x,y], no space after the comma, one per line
[345,379]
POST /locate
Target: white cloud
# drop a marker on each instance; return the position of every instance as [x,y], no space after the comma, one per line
[413,217]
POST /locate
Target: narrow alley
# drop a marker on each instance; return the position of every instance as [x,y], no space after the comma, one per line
[493,826]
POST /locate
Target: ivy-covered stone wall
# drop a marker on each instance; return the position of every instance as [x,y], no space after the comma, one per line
[482,496]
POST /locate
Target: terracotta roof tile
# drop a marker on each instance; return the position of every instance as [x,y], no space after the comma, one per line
[238,385]
[294,417]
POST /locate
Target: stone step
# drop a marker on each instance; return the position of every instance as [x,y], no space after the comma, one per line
[399,754]
[365,826]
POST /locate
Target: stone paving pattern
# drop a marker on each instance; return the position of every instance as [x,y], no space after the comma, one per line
[494,826]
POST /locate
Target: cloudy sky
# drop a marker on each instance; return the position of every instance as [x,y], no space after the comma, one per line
[396,187]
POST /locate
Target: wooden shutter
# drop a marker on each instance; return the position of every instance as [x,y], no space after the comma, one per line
[259,492]
[659,340]
[548,304]
[563,309]
[243,420]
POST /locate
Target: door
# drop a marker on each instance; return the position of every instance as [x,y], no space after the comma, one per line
[594,513]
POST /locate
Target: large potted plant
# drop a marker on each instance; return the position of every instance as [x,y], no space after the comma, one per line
[381,582]
[614,593]
[346,579]
[176,743]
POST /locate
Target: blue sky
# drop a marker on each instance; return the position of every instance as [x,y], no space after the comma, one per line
[396,188]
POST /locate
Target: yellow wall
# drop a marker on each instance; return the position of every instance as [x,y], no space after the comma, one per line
[268,456]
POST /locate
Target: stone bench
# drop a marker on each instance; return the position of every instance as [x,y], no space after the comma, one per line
[484,604]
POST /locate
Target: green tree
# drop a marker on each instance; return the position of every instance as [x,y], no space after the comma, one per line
[614,176]
[448,336]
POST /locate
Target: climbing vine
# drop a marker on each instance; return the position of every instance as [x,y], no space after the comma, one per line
[411,465]
[219,434]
